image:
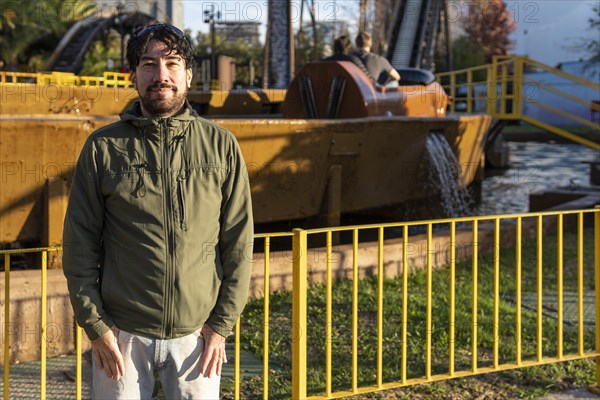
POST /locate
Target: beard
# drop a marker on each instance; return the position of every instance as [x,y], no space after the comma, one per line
[163,106]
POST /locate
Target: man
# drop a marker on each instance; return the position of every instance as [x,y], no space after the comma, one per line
[379,67]
[158,234]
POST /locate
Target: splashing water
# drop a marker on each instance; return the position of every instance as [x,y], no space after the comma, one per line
[444,176]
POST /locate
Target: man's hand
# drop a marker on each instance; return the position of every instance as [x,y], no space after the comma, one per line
[107,354]
[213,356]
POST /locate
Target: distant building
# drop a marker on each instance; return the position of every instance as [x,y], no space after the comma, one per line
[163,10]
[235,30]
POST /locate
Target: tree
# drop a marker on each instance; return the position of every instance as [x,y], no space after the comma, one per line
[489,23]
[465,53]
[312,48]
[31,27]
[592,46]
[96,58]
[240,49]
[17,30]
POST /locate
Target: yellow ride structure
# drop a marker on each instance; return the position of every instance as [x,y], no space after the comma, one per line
[366,153]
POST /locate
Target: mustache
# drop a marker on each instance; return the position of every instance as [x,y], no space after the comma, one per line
[161,86]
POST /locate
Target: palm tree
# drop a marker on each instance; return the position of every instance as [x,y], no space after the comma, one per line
[26,23]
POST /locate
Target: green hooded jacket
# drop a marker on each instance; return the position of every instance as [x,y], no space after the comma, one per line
[158,232]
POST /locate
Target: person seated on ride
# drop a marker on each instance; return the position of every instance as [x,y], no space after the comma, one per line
[341,52]
[379,67]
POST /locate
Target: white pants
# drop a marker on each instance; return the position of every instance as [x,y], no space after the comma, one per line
[176,361]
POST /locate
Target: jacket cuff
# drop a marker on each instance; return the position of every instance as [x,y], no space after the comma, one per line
[98,329]
[219,327]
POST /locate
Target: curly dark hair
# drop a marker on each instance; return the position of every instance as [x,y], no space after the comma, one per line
[342,45]
[174,38]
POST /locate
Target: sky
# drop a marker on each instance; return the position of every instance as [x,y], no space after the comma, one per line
[547,30]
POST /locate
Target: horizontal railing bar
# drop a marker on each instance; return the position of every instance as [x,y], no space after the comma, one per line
[563,74]
[457,374]
[366,226]
[482,98]
[447,220]
[272,235]
[561,132]
[31,250]
[566,114]
[472,69]
[59,248]
[563,93]
[466,84]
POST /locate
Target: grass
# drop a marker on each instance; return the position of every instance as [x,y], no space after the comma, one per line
[528,382]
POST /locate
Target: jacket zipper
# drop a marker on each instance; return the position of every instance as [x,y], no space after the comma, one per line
[167,321]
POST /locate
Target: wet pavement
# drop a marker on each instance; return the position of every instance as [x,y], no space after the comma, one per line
[534,167]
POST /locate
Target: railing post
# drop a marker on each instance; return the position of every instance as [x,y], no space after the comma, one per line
[517,108]
[43,311]
[266,305]
[78,364]
[474,343]
[597,286]
[299,312]
[504,96]
[469,91]
[492,80]
[6,324]
[236,360]
[453,91]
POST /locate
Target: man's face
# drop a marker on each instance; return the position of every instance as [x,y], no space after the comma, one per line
[162,81]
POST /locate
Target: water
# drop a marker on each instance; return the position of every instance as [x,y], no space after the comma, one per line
[535,167]
[444,176]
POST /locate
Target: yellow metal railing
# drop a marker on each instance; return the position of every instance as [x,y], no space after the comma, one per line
[266,239]
[504,88]
[17,77]
[116,79]
[300,321]
[43,321]
[301,262]
[108,79]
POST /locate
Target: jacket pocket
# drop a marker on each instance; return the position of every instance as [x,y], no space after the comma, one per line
[181,201]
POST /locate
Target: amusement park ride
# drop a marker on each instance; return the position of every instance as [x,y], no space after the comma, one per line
[330,145]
